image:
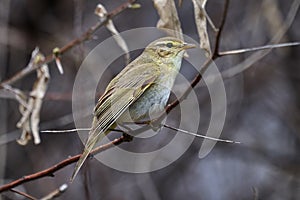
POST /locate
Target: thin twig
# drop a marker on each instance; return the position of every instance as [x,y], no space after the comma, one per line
[84,37]
[165,125]
[66,131]
[198,135]
[49,171]
[23,194]
[211,23]
[77,129]
[261,54]
[56,192]
[270,46]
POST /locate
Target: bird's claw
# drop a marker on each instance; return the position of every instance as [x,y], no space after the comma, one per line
[127,137]
[155,125]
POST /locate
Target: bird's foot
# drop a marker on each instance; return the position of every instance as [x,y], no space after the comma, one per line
[155,124]
[91,156]
[127,137]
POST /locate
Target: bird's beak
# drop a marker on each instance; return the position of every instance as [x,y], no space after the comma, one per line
[188,46]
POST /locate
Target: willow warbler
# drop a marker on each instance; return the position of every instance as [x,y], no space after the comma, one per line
[142,88]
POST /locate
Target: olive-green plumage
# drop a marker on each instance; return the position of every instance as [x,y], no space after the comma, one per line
[142,88]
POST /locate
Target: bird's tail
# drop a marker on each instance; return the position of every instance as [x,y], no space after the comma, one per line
[92,140]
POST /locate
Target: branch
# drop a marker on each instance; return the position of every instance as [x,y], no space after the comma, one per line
[259,48]
[56,193]
[259,55]
[198,135]
[204,67]
[23,194]
[219,32]
[49,171]
[84,37]
[195,81]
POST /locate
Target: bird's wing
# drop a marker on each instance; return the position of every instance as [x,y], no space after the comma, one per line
[115,101]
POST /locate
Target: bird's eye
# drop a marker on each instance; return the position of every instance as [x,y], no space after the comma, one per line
[169,45]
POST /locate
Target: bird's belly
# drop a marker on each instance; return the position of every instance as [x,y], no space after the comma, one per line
[149,105]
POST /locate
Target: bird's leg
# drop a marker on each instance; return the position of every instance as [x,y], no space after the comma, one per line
[90,156]
[156,118]
[155,124]
[126,135]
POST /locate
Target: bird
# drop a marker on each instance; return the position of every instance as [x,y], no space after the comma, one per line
[141,89]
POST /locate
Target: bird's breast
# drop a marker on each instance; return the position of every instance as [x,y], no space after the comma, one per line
[153,101]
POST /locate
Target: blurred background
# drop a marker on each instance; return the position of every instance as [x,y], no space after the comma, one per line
[262,113]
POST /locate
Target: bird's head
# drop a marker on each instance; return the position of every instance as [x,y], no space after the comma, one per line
[168,48]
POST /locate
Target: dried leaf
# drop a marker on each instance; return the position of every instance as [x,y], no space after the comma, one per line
[200,19]
[24,124]
[102,13]
[168,17]
[26,136]
[31,114]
